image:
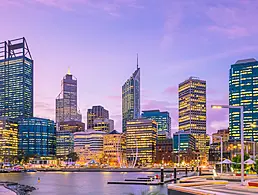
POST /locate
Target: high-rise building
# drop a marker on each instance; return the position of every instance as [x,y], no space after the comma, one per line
[243,91]
[131,98]
[114,149]
[16,79]
[94,113]
[89,145]
[192,105]
[103,124]
[162,118]
[64,143]
[37,136]
[8,139]
[66,101]
[192,112]
[141,138]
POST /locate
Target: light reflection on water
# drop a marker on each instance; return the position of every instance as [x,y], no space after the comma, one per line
[87,183]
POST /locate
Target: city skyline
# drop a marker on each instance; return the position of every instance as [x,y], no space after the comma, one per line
[174,51]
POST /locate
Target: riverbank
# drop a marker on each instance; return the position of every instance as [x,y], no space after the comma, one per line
[168,170]
[15,188]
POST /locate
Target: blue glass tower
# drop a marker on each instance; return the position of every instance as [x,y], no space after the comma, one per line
[131,98]
[16,79]
[243,91]
[37,136]
[162,118]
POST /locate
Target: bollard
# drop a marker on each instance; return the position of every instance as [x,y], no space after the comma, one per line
[186,171]
[192,169]
[200,171]
[162,175]
[196,169]
[174,175]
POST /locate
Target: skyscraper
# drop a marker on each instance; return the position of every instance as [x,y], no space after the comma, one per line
[131,98]
[162,118]
[192,112]
[243,91]
[192,105]
[16,79]
[66,102]
[96,112]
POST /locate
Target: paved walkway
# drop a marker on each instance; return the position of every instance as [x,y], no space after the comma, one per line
[4,191]
[221,189]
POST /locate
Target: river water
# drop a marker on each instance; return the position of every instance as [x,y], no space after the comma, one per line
[83,183]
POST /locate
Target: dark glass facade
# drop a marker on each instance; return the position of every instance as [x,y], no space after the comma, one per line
[16,79]
[243,91]
[131,98]
[37,136]
[162,118]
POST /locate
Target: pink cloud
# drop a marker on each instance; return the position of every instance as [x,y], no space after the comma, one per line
[233,20]
[112,7]
[171,90]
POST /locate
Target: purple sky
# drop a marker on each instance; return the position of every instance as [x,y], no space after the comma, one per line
[99,39]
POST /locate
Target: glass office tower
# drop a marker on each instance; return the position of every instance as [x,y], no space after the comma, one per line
[163,120]
[16,79]
[66,102]
[131,98]
[37,136]
[192,113]
[243,91]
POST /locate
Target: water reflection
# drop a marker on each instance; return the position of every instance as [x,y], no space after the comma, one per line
[88,183]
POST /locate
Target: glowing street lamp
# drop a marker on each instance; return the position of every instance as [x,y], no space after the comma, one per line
[241,108]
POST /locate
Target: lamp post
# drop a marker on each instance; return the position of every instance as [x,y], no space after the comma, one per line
[241,108]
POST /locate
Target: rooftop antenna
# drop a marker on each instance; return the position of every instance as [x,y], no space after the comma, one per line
[137,61]
[69,71]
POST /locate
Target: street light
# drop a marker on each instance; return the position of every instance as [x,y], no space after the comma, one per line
[241,108]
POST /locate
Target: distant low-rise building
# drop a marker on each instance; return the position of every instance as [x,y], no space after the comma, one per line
[64,143]
[74,126]
[8,139]
[164,151]
[114,149]
[224,133]
[89,145]
[103,124]
[184,147]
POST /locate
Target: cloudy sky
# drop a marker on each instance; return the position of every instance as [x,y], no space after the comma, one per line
[99,39]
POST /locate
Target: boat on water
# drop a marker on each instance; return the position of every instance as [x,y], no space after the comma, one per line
[30,170]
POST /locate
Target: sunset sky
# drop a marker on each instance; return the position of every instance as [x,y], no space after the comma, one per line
[99,40]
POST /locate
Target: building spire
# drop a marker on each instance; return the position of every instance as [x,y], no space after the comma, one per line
[137,61]
[69,71]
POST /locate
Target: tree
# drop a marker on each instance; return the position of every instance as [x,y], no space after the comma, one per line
[237,159]
[74,156]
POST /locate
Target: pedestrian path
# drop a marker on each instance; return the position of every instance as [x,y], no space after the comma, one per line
[221,189]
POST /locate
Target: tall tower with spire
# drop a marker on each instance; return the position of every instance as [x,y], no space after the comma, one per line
[131,97]
[66,101]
